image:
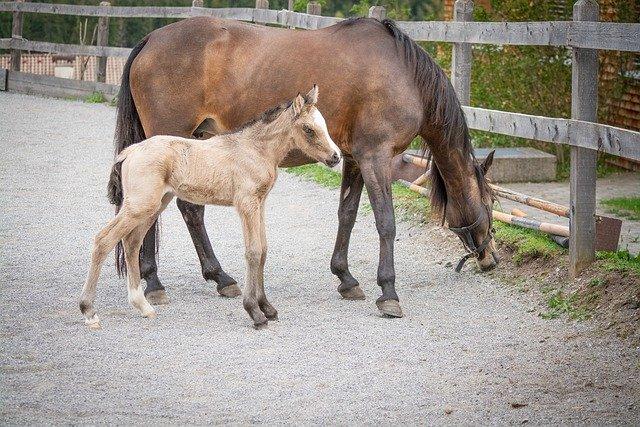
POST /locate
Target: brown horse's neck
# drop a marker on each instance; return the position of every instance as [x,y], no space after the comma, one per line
[463,196]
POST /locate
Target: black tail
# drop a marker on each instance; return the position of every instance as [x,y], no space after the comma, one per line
[128,131]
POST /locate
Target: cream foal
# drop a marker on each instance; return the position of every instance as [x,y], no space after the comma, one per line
[236,169]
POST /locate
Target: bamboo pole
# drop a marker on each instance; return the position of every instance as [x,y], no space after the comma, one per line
[422,179]
[415,160]
[553,229]
[531,201]
[414,187]
[558,230]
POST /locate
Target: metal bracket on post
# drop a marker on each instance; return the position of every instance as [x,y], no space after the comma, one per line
[16,33]
[584,106]
[378,12]
[102,40]
[461,56]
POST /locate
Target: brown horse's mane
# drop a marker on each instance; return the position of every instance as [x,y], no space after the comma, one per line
[441,106]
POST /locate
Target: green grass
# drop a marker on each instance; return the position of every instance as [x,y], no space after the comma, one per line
[408,203]
[526,243]
[628,207]
[95,98]
[560,303]
[621,261]
[318,174]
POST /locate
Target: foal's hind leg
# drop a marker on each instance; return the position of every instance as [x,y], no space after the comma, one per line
[104,243]
[132,243]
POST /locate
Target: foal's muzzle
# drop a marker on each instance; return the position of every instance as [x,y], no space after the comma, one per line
[333,160]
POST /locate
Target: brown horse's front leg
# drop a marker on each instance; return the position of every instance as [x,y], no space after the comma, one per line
[350,193]
[376,172]
[193,216]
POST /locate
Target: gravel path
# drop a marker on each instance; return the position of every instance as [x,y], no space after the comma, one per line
[468,351]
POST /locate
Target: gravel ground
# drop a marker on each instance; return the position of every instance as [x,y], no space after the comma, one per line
[468,351]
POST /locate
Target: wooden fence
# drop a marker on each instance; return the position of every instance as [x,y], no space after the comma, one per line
[584,35]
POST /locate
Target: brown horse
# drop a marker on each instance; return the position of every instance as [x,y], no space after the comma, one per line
[380,90]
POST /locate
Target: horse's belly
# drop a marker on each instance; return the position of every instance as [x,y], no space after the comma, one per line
[203,195]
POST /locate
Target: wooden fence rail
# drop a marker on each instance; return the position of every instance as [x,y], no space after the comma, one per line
[591,35]
[584,35]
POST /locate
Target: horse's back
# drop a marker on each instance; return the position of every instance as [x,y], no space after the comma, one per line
[230,71]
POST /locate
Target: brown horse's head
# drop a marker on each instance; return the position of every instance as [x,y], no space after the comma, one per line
[469,217]
[310,134]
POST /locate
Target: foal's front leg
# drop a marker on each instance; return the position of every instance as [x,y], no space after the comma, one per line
[251,214]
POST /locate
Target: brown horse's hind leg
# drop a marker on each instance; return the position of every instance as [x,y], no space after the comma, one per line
[376,172]
[193,216]
[350,193]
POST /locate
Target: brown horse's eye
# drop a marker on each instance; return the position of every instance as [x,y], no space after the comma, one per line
[308,130]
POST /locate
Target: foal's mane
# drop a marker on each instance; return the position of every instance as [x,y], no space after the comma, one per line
[442,109]
[265,118]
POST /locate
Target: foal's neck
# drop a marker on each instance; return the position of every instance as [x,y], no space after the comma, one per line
[272,141]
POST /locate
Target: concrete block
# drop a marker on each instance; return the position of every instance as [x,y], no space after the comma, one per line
[520,164]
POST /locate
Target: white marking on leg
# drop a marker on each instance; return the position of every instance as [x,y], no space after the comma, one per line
[139,301]
[322,124]
[346,193]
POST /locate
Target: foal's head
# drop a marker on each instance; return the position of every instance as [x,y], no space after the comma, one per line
[309,130]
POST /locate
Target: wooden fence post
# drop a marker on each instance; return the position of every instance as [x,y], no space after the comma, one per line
[377,12]
[16,33]
[102,40]
[314,8]
[584,106]
[461,55]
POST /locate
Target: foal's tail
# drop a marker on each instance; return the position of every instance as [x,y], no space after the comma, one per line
[128,131]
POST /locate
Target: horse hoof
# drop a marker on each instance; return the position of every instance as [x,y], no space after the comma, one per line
[150,315]
[230,291]
[390,308]
[260,326]
[158,297]
[354,293]
[93,323]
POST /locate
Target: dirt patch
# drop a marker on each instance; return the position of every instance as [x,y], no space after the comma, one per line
[609,298]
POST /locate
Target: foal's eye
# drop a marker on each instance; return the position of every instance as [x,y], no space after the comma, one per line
[308,130]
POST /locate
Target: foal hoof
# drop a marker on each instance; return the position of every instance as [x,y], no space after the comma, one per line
[354,293]
[390,308]
[93,323]
[158,297]
[150,315]
[230,291]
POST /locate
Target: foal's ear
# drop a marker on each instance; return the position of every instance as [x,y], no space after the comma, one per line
[297,105]
[312,96]
[487,162]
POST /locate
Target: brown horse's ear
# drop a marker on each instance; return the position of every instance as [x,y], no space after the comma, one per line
[487,162]
[297,105]
[312,96]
